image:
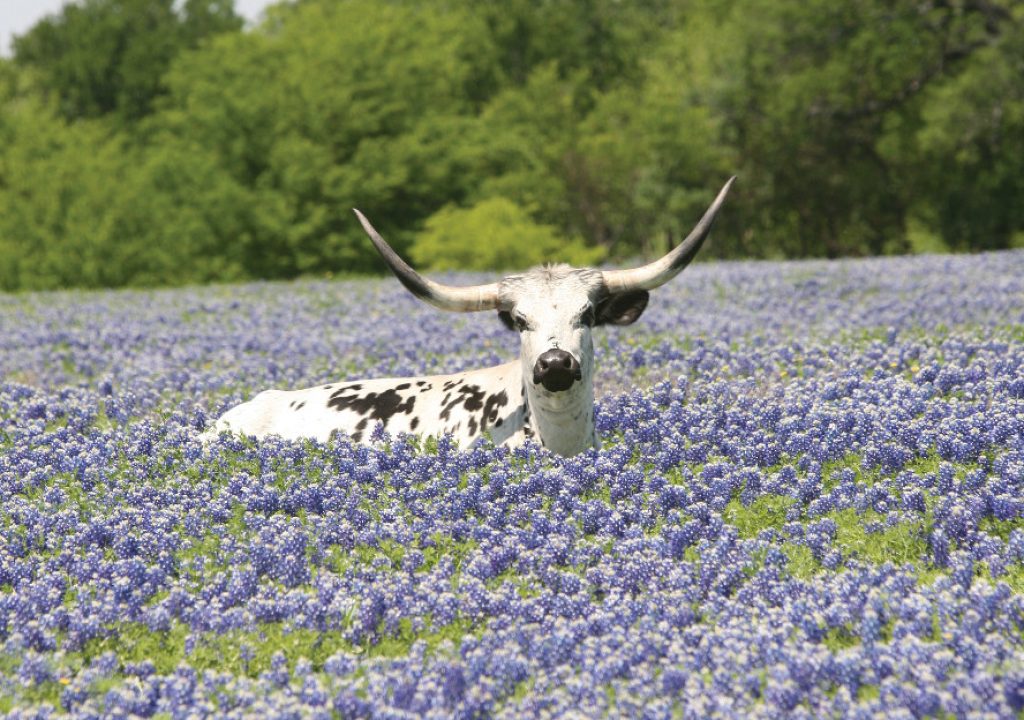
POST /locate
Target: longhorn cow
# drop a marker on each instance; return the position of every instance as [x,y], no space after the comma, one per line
[547,394]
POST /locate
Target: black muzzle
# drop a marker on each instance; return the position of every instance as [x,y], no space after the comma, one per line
[556,370]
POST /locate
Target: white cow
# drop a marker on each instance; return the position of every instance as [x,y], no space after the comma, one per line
[547,394]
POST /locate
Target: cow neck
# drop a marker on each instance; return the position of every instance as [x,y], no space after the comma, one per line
[563,421]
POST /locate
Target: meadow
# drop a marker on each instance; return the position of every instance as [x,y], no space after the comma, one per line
[808,503]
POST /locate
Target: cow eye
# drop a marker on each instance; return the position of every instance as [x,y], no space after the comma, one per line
[588,317]
[519,322]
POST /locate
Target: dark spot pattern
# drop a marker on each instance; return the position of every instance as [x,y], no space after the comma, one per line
[527,430]
[376,406]
[360,430]
[470,404]
[491,407]
[300,405]
[475,398]
[471,397]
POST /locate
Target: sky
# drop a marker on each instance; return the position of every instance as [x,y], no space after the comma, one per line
[17,16]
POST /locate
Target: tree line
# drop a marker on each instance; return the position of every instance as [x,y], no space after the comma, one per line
[151,142]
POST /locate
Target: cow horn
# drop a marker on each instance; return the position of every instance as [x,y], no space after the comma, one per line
[661,271]
[446,297]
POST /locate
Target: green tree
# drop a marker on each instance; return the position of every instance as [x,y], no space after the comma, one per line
[152,141]
[51,190]
[816,88]
[178,218]
[603,39]
[342,105]
[963,155]
[651,154]
[528,136]
[494,234]
[109,56]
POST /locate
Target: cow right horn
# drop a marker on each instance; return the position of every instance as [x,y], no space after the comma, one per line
[661,271]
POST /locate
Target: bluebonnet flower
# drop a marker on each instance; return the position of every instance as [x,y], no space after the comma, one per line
[622,570]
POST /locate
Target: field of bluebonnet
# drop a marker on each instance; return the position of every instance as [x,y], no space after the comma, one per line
[808,503]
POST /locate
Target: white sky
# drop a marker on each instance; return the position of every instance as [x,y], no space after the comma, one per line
[17,16]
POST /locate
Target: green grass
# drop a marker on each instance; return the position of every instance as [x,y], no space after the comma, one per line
[237,652]
[802,564]
[840,638]
[868,692]
[766,512]
[1014,576]
[999,528]
[900,544]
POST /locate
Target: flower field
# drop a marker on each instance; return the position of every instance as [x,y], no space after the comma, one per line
[808,503]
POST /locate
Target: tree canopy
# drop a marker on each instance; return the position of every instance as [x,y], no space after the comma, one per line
[147,142]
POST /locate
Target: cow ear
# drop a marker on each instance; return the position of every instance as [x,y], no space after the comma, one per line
[506,318]
[622,308]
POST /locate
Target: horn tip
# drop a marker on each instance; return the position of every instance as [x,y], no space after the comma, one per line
[365,223]
[721,194]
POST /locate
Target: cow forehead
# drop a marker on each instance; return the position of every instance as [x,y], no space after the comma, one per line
[552,285]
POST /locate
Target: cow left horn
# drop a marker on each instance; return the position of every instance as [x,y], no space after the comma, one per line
[446,297]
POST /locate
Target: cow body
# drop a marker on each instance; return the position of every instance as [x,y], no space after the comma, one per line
[467,405]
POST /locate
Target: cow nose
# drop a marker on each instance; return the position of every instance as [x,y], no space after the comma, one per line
[556,370]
